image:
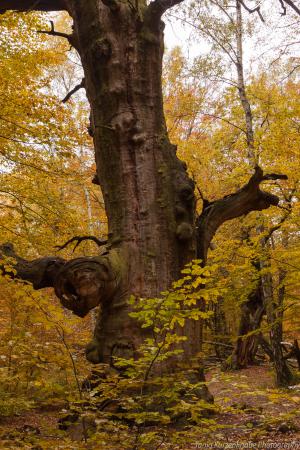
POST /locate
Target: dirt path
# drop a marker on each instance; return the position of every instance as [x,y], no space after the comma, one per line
[253,414]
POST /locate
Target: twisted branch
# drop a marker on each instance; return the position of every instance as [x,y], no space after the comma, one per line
[248,198]
[81,283]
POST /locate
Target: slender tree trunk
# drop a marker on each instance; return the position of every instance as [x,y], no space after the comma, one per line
[283,375]
[241,84]
[221,334]
[261,302]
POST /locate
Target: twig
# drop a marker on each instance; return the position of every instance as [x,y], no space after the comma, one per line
[61,333]
[52,32]
[290,72]
[253,10]
[79,239]
[283,8]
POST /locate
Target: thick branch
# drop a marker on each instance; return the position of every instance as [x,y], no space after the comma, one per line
[81,284]
[32,5]
[247,199]
[41,272]
[158,7]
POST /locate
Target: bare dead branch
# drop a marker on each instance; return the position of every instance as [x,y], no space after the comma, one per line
[252,10]
[290,72]
[293,6]
[79,239]
[283,8]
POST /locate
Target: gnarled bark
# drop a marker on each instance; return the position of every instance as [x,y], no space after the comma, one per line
[81,284]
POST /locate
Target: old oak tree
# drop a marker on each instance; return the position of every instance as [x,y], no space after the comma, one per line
[149,198]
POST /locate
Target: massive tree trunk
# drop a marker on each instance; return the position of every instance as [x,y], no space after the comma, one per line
[148,195]
[149,198]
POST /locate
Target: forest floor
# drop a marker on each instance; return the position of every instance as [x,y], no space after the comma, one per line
[252,414]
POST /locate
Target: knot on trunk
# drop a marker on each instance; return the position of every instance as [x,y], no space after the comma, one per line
[101,49]
[84,283]
[184,203]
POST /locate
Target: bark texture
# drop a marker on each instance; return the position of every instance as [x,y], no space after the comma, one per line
[81,284]
[149,198]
